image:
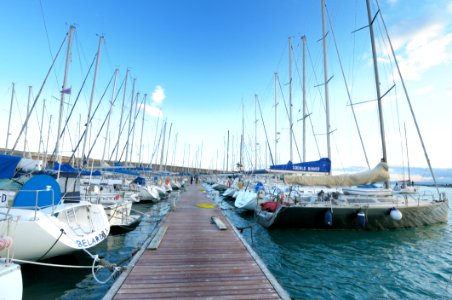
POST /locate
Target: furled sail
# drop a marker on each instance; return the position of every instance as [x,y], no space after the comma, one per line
[378,174]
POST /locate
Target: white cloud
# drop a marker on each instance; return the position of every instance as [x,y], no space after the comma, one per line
[420,50]
[154,111]
[158,95]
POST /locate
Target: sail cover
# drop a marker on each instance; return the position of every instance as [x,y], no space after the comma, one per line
[8,164]
[319,166]
[378,174]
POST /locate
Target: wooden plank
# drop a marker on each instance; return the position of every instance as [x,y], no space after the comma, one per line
[155,242]
[194,259]
[219,223]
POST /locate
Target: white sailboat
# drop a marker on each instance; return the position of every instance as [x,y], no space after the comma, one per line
[356,207]
[45,217]
[43,214]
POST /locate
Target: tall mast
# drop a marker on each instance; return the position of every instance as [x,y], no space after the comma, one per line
[290,99]
[243,135]
[169,140]
[276,118]
[142,127]
[26,124]
[303,38]
[130,119]
[163,146]
[93,89]
[255,132]
[9,117]
[133,126]
[109,115]
[44,165]
[325,73]
[122,113]
[377,84]
[63,91]
[227,154]
[42,127]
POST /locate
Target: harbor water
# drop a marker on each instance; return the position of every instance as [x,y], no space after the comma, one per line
[310,264]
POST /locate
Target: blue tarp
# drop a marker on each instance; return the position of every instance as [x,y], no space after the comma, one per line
[8,164]
[323,166]
[140,181]
[69,168]
[40,191]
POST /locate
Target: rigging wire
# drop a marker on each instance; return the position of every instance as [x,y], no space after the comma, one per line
[47,37]
[347,88]
[39,93]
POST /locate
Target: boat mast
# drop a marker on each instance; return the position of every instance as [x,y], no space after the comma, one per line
[122,114]
[63,92]
[109,115]
[26,124]
[40,129]
[377,85]
[88,121]
[276,118]
[303,38]
[130,120]
[169,141]
[133,126]
[9,117]
[227,155]
[142,128]
[255,132]
[44,165]
[243,135]
[325,73]
[163,146]
[290,99]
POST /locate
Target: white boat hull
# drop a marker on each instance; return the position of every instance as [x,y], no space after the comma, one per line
[11,287]
[246,200]
[39,235]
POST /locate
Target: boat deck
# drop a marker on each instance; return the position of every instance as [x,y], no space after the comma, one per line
[196,259]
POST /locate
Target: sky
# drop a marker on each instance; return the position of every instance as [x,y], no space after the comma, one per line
[207,70]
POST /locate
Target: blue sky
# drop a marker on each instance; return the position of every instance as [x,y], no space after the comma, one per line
[197,61]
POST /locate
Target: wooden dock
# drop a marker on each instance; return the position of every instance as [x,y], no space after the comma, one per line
[193,256]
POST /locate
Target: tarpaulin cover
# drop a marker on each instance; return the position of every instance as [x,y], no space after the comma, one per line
[38,191]
[8,164]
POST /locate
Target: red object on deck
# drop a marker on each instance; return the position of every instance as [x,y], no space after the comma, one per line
[270,206]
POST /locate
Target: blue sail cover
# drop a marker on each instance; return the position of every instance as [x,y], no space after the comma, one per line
[70,169]
[40,191]
[320,166]
[8,164]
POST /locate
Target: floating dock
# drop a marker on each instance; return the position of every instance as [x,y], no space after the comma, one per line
[196,253]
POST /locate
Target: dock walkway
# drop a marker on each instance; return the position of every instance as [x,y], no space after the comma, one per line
[196,259]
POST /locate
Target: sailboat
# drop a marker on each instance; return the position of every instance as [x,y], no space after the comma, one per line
[353,206]
[41,210]
[44,216]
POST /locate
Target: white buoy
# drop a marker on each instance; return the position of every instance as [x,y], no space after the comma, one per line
[395,214]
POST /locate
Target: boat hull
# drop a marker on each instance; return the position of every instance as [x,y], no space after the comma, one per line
[39,235]
[11,287]
[346,217]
